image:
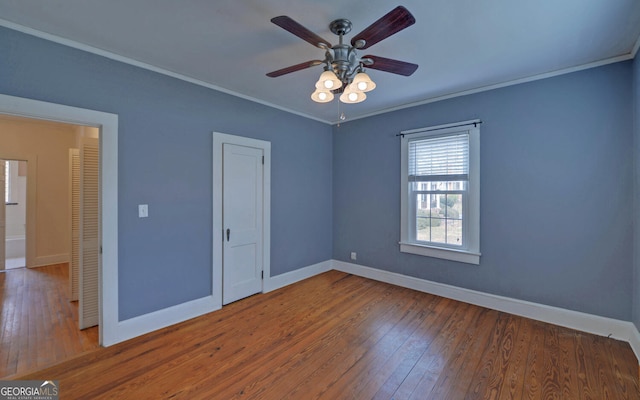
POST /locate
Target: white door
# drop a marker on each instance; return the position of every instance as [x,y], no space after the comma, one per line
[3,216]
[89,254]
[242,219]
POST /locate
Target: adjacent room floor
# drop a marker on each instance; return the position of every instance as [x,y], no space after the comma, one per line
[38,323]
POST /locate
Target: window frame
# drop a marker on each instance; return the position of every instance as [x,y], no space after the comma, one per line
[470,252]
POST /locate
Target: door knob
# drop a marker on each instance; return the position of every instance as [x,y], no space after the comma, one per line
[228,233]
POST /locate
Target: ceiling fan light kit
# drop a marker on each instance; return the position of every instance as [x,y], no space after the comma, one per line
[343,69]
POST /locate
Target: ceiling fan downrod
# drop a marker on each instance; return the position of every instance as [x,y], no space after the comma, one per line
[343,58]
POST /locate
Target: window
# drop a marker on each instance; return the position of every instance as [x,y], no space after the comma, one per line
[440,198]
[11,189]
[7,182]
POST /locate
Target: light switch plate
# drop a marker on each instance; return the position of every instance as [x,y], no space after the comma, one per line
[143,210]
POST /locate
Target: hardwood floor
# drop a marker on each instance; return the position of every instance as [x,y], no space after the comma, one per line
[38,324]
[338,336]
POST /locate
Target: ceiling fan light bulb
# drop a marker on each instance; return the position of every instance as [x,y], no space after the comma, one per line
[328,80]
[363,83]
[352,97]
[321,96]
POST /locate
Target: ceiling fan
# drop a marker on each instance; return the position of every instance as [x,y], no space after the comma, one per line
[343,67]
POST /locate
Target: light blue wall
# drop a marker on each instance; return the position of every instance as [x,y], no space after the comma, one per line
[556,170]
[636,202]
[556,191]
[165,160]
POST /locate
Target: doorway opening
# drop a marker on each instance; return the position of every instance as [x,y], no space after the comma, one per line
[14,224]
[49,250]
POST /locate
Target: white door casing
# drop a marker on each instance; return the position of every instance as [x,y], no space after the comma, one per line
[219,231]
[242,221]
[111,330]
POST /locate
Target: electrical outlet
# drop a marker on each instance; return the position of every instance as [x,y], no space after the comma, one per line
[354,255]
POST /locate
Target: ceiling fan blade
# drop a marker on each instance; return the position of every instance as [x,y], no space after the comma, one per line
[393,22]
[390,65]
[300,31]
[294,68]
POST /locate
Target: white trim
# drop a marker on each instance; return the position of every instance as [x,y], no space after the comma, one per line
[286,279]
[113,56]
[156,320]
[218,140]
[108,123]
[441,252]
[50,260]
[470,254]
[602,326]
[149,67]
[146,323]
[634,340]
[487,88]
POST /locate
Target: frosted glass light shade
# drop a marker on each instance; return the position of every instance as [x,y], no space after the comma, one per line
[352,97]
[321,96]
[328,81]
[362,83]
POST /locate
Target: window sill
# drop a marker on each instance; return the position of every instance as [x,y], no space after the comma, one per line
[441,252]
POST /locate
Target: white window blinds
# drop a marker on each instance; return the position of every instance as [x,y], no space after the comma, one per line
[444,158]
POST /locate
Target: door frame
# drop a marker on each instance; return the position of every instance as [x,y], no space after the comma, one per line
[219,139]
[110,329]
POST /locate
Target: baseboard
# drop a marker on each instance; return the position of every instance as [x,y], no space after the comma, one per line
[617,329]
[50,260]
[621,330]
[137,326]
[634,341]
[282,280]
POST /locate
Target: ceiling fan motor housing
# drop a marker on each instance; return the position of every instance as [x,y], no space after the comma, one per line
[344,62]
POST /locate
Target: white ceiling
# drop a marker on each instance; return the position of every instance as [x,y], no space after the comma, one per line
[460,45]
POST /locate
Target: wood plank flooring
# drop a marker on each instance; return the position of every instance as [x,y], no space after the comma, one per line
[338,336]
[38,324]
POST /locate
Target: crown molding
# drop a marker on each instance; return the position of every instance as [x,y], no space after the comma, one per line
[481,89]
[116,57]
[149,67]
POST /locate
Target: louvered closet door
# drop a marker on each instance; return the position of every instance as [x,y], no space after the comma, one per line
[3,216]
[89,232]
[74,265]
